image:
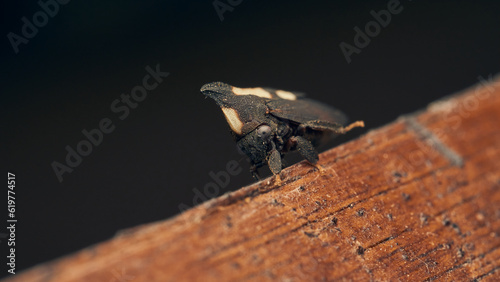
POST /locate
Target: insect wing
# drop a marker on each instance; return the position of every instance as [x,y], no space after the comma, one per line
[303,110]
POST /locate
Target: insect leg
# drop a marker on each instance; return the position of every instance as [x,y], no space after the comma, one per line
[254,172]
[254,169]
[320,125]
[305,148]
[331,126]
[274,160]
[358,123]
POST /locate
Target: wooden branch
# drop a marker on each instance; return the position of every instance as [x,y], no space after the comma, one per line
[418,199]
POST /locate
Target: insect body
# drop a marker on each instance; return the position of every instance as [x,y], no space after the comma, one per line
[266,123]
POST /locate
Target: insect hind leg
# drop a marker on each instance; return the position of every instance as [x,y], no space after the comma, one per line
[355,124]
[305,148]
[330,126]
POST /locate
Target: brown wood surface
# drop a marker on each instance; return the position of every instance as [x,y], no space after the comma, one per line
[418,199]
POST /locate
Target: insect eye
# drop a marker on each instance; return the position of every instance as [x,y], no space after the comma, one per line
[264,131]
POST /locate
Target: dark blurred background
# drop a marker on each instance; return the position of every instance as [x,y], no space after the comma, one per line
[65,78]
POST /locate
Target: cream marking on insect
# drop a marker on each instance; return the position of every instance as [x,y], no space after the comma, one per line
[233,119]
[287,95]
[257,91]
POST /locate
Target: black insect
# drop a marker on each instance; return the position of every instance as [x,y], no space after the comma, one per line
[266,123]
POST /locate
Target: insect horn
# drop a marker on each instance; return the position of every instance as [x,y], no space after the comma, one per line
[219,91]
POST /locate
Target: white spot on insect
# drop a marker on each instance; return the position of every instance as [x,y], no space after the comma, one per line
[233,119]
[258,91]
[286,95]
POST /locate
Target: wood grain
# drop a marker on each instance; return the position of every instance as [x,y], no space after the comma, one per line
[418,199]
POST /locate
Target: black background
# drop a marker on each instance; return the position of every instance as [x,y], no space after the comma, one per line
[65,79]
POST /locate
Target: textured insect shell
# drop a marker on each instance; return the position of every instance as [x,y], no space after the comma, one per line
[243,113]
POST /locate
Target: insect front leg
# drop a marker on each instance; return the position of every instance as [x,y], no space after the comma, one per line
[274,160]
[254,171]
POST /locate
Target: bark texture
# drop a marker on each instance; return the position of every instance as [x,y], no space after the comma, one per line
[418,199]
